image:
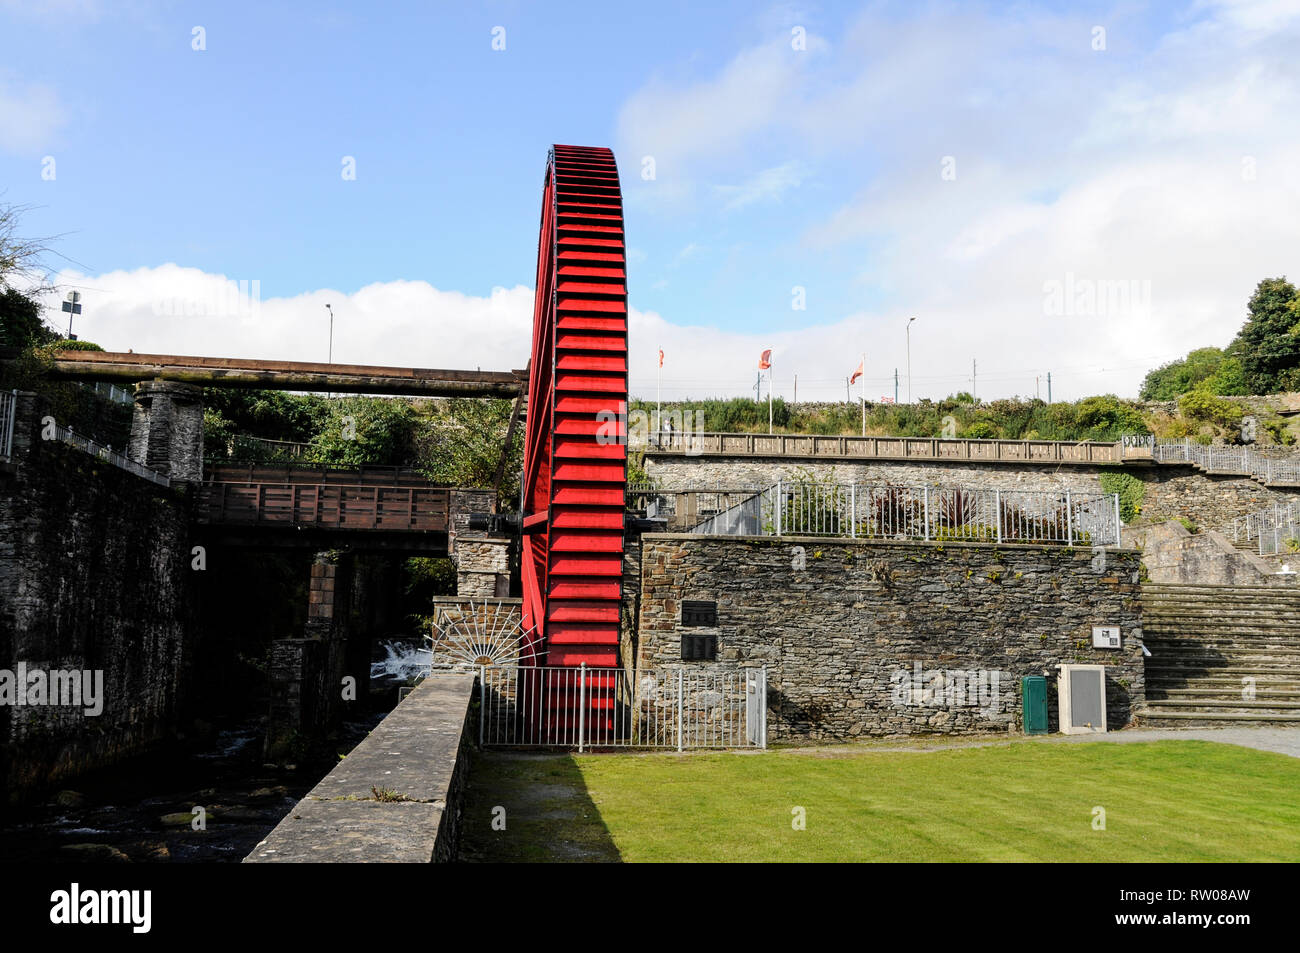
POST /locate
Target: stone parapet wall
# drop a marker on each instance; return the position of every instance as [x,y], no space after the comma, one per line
[95,575]
[842,627]
[482,565]
[1171,492]
[396,797]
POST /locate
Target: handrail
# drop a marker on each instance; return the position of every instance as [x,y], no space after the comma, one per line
[696,443]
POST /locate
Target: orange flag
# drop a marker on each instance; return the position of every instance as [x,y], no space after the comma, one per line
[858,372]
[661,357]
[765,361]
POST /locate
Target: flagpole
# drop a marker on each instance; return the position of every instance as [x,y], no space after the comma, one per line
[768,395]
[659,413]
[864,393]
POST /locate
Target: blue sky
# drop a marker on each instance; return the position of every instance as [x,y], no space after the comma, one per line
[794,147]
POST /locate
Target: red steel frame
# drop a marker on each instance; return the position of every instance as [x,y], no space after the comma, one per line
[575,445]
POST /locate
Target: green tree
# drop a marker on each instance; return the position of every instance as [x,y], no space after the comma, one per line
[357,431]
[462,443]
[1268,344]
[21,324]
[1229,380]
[1172,380]
[1106,417]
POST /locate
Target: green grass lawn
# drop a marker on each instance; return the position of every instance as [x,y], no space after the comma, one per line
[1029,800]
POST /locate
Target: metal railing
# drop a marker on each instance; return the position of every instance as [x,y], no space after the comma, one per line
[687,506]
[874,511]
[243,447]
[1244,461]
[1275,530]
[582,707]
[693,443]
[109,455]
[118,395]
[8,410]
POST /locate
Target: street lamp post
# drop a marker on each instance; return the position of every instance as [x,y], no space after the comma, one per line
[331,311]
[72,306]
[909,359]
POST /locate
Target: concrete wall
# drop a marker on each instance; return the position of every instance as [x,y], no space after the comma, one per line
[95,575]
[396,798]
[842,625]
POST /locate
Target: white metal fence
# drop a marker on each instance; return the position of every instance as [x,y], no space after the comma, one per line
[581,707]
[108,455]
[1236,460]
[118,395]
[8,409]
[1274,531]
[867,511]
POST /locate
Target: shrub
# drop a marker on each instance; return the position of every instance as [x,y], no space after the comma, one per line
[1130,489]
[1201,405]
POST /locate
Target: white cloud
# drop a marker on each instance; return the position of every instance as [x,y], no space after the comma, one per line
[1172,162]
[768,185]
[176,310]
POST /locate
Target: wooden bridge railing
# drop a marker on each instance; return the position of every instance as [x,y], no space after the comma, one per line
[688,443]
[326,506]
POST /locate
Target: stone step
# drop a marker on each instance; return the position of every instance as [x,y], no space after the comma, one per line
[1208,718]
[1220,649]
[1155,693]
[1210,685]
[1232,704]
[1175,667]
[1250,610]
[1201,588]
[1284,627]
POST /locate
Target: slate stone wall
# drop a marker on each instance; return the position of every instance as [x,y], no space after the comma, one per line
[894,638]
[1172,491]
[95,574]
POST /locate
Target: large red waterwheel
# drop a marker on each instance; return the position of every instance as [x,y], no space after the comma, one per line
[575,452]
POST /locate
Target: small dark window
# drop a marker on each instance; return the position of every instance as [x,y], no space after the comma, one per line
[699,613]
[699,647]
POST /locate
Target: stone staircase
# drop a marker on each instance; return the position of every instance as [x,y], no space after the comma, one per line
[1208,642]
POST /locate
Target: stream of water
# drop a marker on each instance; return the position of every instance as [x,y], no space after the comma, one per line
[141,810]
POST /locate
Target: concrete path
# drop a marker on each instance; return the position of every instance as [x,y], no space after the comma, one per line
[1282,740]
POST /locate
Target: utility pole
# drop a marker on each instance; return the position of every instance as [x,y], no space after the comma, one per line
[848,399]
[909,359]
[974,384]
[796,390]
[1035,387]
[1049,387]
[758,388]
[895,386]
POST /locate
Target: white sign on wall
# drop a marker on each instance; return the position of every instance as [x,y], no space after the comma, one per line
[1105,636]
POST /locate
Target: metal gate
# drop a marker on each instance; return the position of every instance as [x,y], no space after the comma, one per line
[583,707]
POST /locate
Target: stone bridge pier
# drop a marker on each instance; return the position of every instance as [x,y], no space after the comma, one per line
[167,429]
[307,672]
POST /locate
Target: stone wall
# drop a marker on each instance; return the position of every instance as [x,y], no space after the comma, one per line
[482,565]
[396,797]
[1171,554]
[167,429]
[1208,501]
[685,472]
[95,575]
[842,627]
[1172,491]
